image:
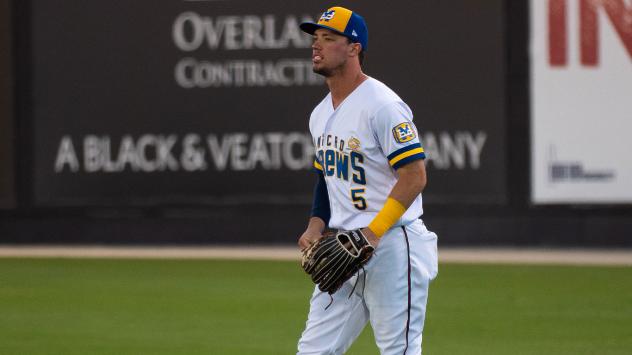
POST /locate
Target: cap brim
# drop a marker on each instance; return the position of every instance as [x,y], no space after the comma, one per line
[310,27]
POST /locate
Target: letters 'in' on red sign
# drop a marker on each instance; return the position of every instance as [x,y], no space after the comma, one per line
[619,15]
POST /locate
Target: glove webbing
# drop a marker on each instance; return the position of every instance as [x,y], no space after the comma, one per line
[331,298]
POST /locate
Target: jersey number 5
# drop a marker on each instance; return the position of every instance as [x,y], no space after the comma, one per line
[358,200]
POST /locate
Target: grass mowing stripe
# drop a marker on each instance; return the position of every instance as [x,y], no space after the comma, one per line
[80,306]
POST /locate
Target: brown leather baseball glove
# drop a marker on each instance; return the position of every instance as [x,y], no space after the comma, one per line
[334,259]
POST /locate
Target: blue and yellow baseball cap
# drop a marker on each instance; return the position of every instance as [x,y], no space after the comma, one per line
[342,21]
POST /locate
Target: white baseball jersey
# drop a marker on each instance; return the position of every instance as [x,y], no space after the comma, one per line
[359,146]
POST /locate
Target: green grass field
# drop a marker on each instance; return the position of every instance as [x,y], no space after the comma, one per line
[65,306]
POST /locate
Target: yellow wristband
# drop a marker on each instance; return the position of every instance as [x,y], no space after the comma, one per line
[390,213]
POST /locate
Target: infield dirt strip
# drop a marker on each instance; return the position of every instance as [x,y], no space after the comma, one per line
[446,255]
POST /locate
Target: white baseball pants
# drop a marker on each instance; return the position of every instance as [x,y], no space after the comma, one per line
[391,293]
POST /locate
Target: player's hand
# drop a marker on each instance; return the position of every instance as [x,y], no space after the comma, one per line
[371,237]
[308,238]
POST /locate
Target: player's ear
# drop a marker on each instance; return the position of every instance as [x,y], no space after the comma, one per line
[355,49]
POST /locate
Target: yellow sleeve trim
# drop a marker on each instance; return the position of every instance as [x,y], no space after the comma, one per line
[318,166]
[405,155]
[386,218]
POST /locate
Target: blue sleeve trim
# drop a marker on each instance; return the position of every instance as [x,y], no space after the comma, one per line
[320,205]
[409,159]
[403,150]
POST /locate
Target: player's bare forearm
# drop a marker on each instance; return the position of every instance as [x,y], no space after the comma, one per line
[316,224]
[313,232]
[410,183]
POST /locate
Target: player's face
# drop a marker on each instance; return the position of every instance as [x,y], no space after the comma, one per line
[330,52]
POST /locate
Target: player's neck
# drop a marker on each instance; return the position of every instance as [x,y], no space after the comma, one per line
[343,84]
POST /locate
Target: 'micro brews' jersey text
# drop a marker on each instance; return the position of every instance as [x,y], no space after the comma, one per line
[359,147]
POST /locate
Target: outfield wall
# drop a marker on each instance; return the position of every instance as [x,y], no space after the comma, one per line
[186,122]
[7,186]
[207,103]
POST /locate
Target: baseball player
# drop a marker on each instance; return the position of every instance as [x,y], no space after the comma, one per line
[371,172]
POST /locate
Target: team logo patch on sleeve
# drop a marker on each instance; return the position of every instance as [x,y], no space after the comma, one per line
[403,133]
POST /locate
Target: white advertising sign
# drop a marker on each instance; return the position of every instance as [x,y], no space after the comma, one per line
[581,101]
